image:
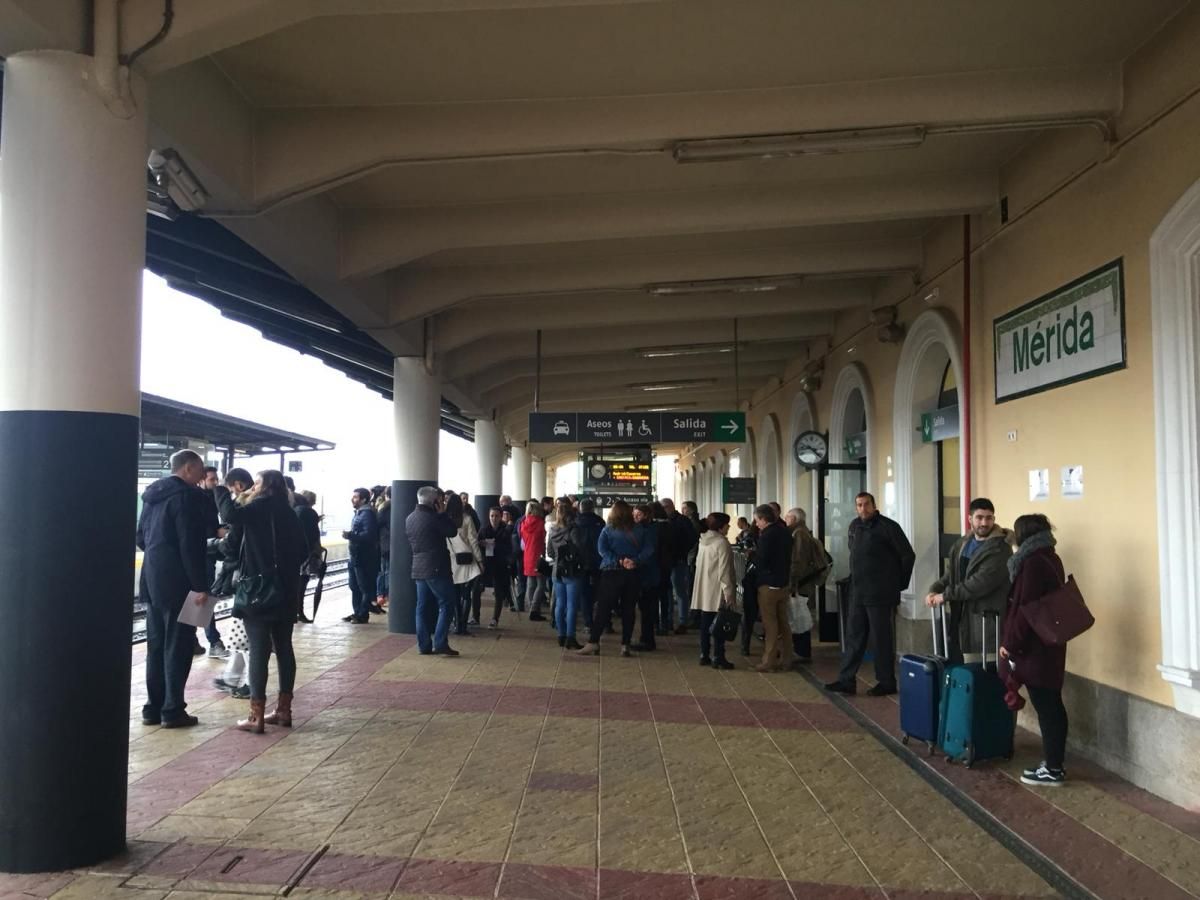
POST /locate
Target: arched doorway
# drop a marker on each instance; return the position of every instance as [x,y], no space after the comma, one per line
[851,412]
[801,481]
[1175,315]
[928,463]
[768,467]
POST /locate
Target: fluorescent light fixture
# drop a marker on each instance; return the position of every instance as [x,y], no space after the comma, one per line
[652,409]
[683,350]
[243,295]
[812,143]
[172,175]
[324,446]
[269,450]
[673,385]
[750,285]
[355,362]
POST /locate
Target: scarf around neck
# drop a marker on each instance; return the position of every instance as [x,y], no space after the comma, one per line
[1032,544]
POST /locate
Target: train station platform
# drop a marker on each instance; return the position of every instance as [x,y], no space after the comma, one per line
[521,771]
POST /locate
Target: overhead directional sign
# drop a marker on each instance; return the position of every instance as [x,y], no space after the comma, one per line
[637,428]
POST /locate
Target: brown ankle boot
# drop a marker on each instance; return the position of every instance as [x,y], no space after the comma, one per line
[282,713]
[254,724]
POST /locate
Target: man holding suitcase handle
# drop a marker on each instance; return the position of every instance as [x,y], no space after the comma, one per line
[976,577]
[881,564]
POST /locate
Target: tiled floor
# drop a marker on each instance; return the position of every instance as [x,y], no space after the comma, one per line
[517,770]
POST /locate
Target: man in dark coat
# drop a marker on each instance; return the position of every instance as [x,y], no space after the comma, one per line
[428,528]
[976,578]
[681,540]
[364,556]
[773,567]
[173,534]
[591,525]
[496,540]
[881,564]
[215,531]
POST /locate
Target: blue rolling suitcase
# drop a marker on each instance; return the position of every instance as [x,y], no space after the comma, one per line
[920,688]
[976,723]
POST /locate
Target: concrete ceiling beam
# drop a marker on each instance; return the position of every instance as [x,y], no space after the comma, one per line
[374,241]
[604,365]
[418,293]
[494,318]
[203,28]
[717,366]
[482,355]
[303,150]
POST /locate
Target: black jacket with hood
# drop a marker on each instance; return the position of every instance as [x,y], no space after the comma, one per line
[173,532]
[272,541]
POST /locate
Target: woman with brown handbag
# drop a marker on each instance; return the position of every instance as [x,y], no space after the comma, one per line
[1036,571]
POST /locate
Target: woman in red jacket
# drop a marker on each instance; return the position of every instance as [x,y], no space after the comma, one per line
[533,542]
[1036,570]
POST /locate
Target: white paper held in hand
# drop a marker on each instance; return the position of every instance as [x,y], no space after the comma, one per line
[198,615]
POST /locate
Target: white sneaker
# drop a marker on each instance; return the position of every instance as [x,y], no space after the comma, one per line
[1042,776]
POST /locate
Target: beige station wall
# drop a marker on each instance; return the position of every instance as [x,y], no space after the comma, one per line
[1074,205]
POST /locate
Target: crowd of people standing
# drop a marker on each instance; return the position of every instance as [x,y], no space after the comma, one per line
[668,569]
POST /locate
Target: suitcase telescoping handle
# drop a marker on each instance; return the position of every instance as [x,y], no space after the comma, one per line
[995,617]
[939,613]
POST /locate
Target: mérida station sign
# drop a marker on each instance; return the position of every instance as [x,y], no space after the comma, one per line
[1072,333]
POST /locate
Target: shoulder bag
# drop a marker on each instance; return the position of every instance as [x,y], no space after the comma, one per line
[261,595]
[725,626]
[1060,615]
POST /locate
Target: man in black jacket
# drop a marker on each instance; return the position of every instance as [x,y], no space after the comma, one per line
[496,540]
[773,564]
[591,524]
[428,528]
[682,538]
[881,564]
[364,556]
[173,535]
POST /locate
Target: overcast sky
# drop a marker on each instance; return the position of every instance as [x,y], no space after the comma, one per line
[245,375]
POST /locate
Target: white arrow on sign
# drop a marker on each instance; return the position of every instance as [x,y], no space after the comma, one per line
[731,427]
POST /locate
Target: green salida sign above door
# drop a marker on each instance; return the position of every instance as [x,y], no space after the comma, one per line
[1070,334]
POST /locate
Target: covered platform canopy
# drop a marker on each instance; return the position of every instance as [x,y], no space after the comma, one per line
[167,419]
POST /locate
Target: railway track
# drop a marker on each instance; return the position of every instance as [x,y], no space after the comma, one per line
[336,576]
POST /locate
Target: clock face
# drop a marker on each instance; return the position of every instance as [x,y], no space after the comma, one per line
[599,470]
[810,449]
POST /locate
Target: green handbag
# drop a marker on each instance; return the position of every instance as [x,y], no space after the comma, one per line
[258,596]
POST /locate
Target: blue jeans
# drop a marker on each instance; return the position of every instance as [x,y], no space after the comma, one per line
[362,585]
[434,594]
[588,599]
[567,594]
[168,662]
[381,580]
[681,582]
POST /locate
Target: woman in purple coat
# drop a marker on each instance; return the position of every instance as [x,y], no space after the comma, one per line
[1036,570]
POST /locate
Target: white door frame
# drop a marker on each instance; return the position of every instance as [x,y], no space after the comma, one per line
[930,329]
[1175,314]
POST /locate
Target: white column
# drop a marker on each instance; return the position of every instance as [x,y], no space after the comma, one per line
[521,473]
[72,247]
[537,478]
[489,457]
[417,403]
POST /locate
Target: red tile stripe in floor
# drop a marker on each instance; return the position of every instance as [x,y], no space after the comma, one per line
[682,709]
[235,866]
[1086,856]
[169,787]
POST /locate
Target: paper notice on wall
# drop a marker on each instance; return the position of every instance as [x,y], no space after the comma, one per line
[1039,484]
[1072,481]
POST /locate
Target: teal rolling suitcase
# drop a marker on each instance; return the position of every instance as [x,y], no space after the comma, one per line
[975,722]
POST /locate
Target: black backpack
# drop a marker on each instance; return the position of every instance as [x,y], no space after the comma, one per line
[569,562]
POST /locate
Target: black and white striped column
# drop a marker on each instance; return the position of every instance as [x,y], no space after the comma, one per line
[489,458]
[72,245]
[417,406]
